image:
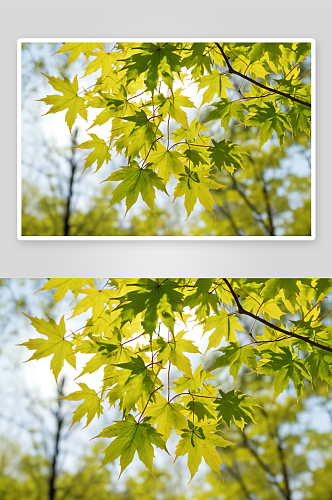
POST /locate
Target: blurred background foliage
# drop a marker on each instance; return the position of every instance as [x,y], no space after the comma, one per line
[287,455]
[270,196]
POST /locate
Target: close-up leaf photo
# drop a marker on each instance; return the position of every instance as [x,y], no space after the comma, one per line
[105,383]
[150,138]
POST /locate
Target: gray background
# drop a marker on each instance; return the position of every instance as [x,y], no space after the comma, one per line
[155,18]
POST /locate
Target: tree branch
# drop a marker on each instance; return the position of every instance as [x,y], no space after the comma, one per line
[274,91]
[241,310]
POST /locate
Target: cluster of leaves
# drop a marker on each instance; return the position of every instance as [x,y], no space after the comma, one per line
[140,92]
[134,336]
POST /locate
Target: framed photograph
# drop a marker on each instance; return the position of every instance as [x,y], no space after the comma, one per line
[166,139]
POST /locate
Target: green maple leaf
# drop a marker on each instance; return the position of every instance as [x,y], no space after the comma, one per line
[199,442]
[142,135]
[106,352]
[216,83]
[104,61]
[302,50]
[96,299]
[90,407]
[55,344]
[155,60]
[319,365]
[323,288]
[272,50]
[76,48]
[135,381]
[154,299]
[198,59]
[115,105]
[288,367]
[272,119]
[63,285]
[172,105]
[275,286]
[173,351]
[166,162]
[224,326]
[132,436]
[195,157]
[166,415]
[234,405]
[100,154]
[234,356]
[199,409]
[69,100]
[225,110]
[203,285]
[299,117]
[226,154]
[191,133]
[195,184]
[135,181]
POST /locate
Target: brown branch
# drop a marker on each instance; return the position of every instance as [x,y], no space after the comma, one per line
[275,91]
[241,310]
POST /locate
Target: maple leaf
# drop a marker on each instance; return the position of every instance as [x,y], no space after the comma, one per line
[192,383]
[224,326]
[319,365]
[100,154]
[275,286]
[166,162]
[225,110]
[63,285]
[288,367]
[96,299]
[196,184]
[90,407]
[272,119]
[154,60]
[299,117]
[131,436]
[69,100]
[106,352]
[216,83]
[55,344]
[135,381]
[199,442]
[197,59]
[104,61]
[237,406]
[166,415]
[200,410]
[172,105]
[272,50]
[226,154]
[142,134]
[190,133]
[155,299]
[76,48]
[302,50]
[135,181]
[234,356]
[115,105]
